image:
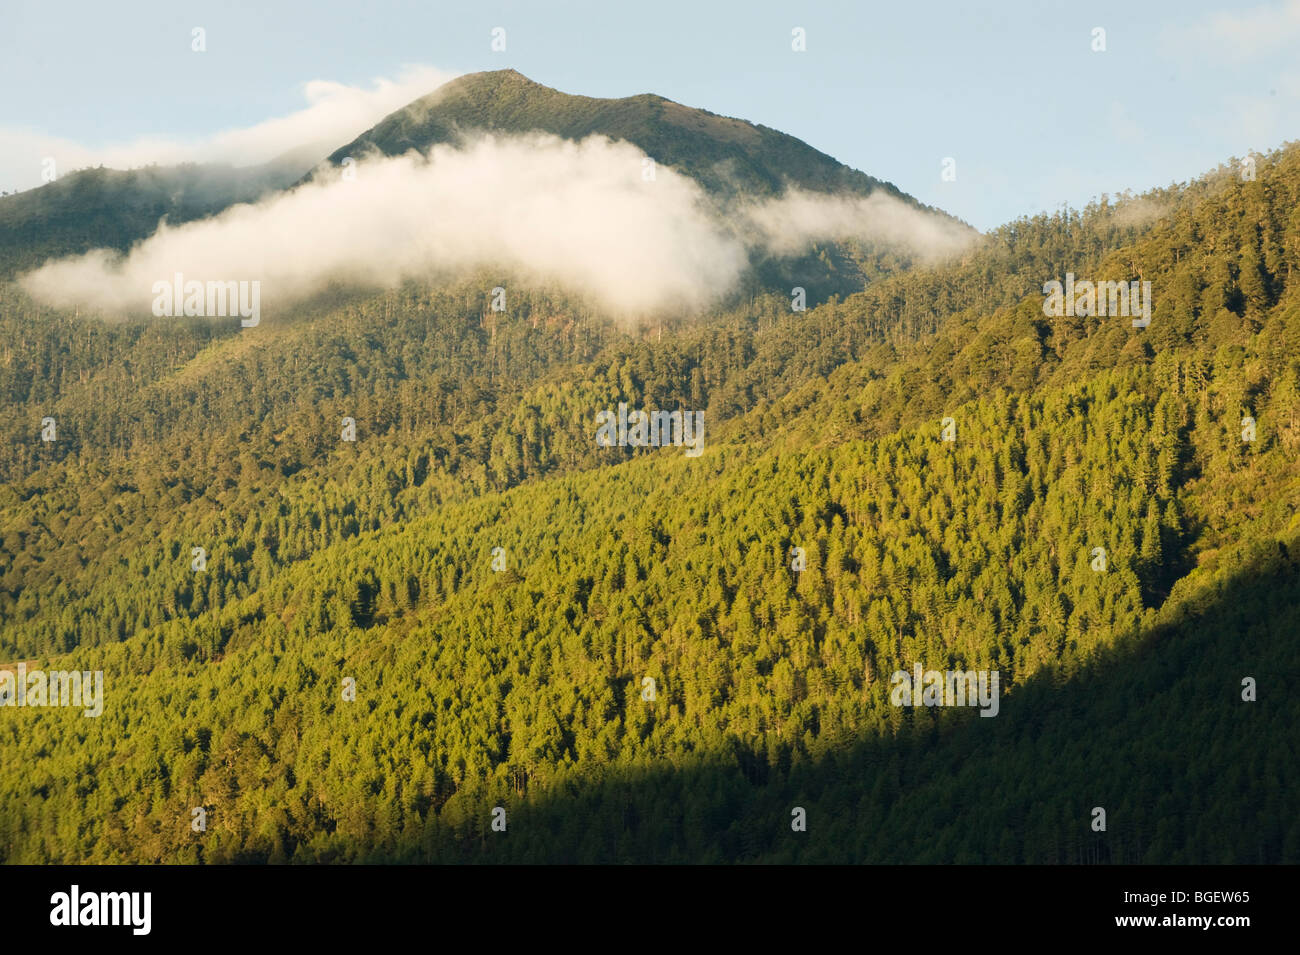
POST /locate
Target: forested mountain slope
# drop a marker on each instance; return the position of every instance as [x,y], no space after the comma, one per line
[523,687]
[111,209]
[729,157]
[734,161]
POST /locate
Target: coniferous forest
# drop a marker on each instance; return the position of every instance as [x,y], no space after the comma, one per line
[640,655]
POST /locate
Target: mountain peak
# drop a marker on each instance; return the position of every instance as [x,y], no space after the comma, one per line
[484,81]
[726,156]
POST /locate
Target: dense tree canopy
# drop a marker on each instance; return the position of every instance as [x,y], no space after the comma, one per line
[523,686]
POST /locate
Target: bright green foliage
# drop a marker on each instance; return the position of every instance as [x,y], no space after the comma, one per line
[523,688]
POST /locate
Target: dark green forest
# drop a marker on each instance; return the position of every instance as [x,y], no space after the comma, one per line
[521,685]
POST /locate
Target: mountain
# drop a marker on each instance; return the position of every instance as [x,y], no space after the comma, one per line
[110,208]
[726,156]
[498,588]
[729,158]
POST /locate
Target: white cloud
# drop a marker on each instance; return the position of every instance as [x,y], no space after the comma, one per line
[334,115]
[785,226]
[536,206]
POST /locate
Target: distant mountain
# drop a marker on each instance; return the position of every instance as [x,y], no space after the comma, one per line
[729,157]
[111,208]
[724,155]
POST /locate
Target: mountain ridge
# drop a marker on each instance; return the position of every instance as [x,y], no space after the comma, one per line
[508,101]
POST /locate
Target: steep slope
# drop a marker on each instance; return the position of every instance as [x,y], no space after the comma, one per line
[487,403]
[727,156]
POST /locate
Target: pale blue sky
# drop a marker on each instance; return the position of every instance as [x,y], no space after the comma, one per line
[1012,91]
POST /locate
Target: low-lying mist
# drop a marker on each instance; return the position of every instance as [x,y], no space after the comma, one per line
[538,207]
